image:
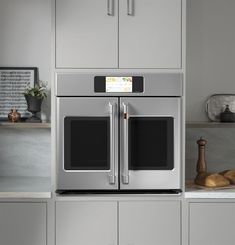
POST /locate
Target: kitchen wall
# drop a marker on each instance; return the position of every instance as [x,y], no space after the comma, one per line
[210,53]
[25,38]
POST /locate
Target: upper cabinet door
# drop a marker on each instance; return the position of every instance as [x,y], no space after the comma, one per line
[150,34]
[86,34]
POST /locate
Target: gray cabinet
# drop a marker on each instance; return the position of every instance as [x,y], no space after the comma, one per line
[118,223]
[86,34]
[211,223]
[86,223]
[149,222]
[150,34]
[118,33]
[23,223]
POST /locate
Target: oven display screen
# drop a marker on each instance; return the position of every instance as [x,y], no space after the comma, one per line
[118,84]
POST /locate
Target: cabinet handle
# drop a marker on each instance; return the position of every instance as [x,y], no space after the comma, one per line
[112,111]
[125,175]
[110,7]
[130,7]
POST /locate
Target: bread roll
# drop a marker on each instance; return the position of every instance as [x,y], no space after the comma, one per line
[230,175]
[211,180]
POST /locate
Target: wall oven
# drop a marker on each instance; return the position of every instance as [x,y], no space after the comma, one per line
[118,132]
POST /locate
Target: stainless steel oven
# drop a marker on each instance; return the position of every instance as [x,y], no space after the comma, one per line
[118,132]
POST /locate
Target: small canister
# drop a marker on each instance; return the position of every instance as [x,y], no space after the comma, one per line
[14,115]
[227,115]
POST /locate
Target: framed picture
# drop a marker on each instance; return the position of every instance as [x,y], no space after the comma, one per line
[13,82]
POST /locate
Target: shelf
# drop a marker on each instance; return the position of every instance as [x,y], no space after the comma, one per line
[209,125]
[25,187]
[24,125]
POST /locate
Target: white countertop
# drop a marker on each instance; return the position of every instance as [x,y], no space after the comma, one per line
[25,187]
[195,191]
[40,187]
[210,194]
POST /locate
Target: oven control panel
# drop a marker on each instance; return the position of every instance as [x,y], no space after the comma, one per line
[119,84]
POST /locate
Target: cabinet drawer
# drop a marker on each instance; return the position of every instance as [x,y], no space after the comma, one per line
[86,223]
[149,222]
[211,223]
[23,223]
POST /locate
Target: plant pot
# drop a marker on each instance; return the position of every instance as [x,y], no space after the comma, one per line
[34,106]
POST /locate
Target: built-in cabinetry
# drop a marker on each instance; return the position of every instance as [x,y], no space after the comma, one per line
[150,222]
[118,33]
[90,220]
[23,223]
[150,34]
[122,223]
[211,223]
[86,223]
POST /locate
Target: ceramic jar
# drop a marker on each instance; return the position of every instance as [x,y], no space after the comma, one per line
[14,115]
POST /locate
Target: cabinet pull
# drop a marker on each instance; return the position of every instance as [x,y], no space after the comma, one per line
[110,7]
[130,7]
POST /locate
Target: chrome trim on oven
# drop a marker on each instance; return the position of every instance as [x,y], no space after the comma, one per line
[112,110]
[125,175]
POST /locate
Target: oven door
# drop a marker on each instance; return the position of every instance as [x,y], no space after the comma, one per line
[150,143]
[87,131]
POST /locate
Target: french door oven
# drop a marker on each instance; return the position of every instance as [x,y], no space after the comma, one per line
[118,143]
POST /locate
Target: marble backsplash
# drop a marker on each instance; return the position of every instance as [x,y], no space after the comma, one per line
[25,152]
[220,149]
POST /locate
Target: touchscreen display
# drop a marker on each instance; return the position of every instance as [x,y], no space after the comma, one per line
[118,84]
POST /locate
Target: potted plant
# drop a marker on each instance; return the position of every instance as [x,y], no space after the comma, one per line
[34,97]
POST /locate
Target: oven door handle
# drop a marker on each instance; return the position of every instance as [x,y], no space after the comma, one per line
[125,175]
[112,111]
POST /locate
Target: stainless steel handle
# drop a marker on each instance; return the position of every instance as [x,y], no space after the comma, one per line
[130,7]
[110,7]
[112,110]
[125,175]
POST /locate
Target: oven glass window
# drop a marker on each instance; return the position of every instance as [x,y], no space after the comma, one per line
[151,142]
[86,143]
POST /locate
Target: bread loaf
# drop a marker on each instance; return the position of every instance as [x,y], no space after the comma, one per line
[211,180]
[230,175]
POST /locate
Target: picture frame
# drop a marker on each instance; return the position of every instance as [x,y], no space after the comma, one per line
[13,82]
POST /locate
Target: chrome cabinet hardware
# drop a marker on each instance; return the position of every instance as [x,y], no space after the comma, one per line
[130,7]
[110,7]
